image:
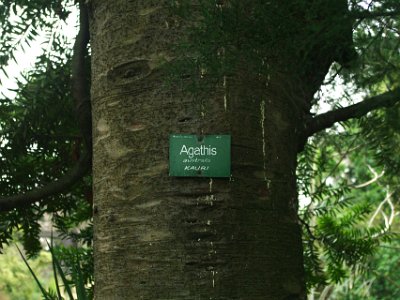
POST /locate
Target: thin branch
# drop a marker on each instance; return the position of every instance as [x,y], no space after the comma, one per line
[80,87]
[393,213]
[386,221]
[53,188]
[308,228]
[326,292]
[326,120]
[349,149]
[371,181]
[82,104]
[378,209]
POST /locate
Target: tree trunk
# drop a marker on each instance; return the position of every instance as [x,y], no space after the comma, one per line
[160,237]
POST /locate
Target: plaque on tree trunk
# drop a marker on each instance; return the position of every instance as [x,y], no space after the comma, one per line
[200,156]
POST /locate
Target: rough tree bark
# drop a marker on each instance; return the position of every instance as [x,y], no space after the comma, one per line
[158,237]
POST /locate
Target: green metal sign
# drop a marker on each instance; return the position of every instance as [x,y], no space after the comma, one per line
[200,156]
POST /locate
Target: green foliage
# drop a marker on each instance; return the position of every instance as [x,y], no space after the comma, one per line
[343,227]
[15,282]
[39,137]
[40,142]
[349,174]
[38,134]
[379,280]
[79,263]
[71,275]
[386,274]
[382,131]
[22,22]
[378,42]
[332,242]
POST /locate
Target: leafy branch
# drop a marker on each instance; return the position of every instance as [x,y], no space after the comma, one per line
[326,120]
[82,106]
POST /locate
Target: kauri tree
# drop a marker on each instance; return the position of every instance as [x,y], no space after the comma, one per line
[251,69]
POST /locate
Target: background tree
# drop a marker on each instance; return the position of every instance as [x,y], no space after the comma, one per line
[41,144]
[252,72]
[359,169]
